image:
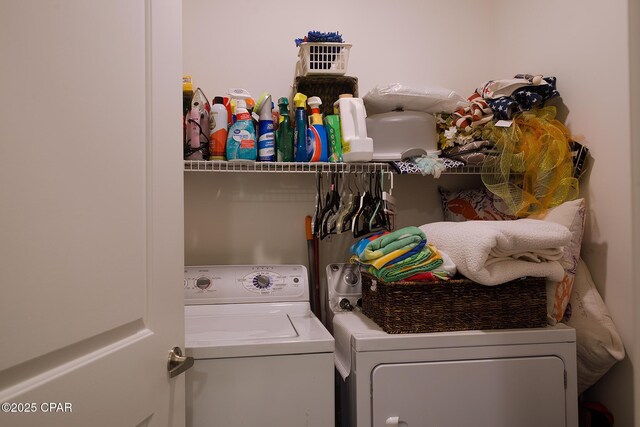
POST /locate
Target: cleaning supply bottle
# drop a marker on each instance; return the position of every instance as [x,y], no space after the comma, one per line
[332,125]
[241,140]
[317,147]
[300,129]
[187,93]
[218,132]
[284,134]
[356,146]
[266,137]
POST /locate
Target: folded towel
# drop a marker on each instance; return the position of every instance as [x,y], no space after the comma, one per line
[495,252]
[444,272]
[378,245]
[395,256]
[427,259]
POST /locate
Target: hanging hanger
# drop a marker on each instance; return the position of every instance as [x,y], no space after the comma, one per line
[329,225]
[353,205]
[330,207]
[360,222]
[389,203]
[318,207]
[378,219]
[346,201]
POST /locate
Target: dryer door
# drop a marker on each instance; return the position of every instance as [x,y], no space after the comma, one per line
[507,392]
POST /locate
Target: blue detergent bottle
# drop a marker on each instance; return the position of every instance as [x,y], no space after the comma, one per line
[266,135]
[300,129]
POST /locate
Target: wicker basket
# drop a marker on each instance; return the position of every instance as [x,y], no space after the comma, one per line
[456,305]
[328,88]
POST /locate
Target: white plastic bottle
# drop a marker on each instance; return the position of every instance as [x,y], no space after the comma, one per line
[356,145]
[218,133]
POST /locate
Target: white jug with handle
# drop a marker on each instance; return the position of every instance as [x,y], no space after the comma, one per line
[356,146]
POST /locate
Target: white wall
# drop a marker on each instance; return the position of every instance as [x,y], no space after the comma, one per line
[259,218]
[458,45]
[414,42]
[585,44]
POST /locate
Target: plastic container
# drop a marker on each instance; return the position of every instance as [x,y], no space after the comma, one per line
[300,128]
[317,146]
[241,141]
[323,58]
[266,134]
[402,134]
[218,132]
[284,134]
[356,145]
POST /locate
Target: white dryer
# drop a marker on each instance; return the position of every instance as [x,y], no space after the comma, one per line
[262,358]
[499,378]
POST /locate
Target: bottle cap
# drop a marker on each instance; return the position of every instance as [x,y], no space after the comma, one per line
[300,99]
[218,100]
[345,95]
[314,102]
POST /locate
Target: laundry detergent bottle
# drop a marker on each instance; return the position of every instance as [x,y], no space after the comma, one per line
[317,146]
[266,136]
[241,140]
[356,145]
[300,129]
[284,134]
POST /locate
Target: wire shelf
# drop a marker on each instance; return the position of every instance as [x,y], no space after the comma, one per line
[285,167]
[304,167]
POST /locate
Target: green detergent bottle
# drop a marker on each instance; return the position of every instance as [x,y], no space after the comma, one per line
[284,134]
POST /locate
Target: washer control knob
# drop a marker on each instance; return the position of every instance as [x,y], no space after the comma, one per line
[261,282]
[203,283]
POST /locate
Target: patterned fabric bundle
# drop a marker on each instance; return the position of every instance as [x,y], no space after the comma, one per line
[476,114]
[523,99]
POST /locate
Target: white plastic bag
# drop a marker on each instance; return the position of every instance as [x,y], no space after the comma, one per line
[395,96]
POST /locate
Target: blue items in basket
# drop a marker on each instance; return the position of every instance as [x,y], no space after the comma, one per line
[320,37]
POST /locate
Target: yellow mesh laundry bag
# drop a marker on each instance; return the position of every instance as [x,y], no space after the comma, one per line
[533,170]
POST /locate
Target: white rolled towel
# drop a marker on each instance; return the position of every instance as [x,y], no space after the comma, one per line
[495,252]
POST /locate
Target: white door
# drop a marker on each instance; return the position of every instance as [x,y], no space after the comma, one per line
[91,220]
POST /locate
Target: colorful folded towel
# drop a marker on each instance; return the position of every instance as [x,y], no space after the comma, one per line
[428,259]
[395,256]
[381,244]
[444,272]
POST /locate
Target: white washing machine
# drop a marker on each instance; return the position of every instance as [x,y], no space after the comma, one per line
[500,378]
[262,358]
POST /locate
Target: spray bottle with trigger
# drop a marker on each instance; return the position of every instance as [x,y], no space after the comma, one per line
[241,139]
[266,137]
[284,134]
[317,147]
[300,129]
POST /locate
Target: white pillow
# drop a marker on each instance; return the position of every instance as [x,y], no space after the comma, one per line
[571,214]
[394,96]
[598,343]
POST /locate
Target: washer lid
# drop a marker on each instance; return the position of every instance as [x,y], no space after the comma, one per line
[245,330]
[238,327]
